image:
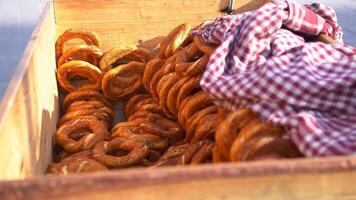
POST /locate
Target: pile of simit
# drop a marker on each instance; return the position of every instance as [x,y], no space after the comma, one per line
[169,119]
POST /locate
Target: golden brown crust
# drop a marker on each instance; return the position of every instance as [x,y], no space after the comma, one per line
[190,61]
[131,130]
[123,80]
[143,114]
[188,154]
[284,148]
[173,40]
[96,132]
[79,68]
[198,101]
[88,53]
[137,152]
[196,119]
[89,37]
[227,131]
[148,105]
[103,114]
[74,166]
[164,128]
[151,68]
[81,105]
[205,128]
[172,155]
[197,68]
[163,87]
[187,88]
[165,69]
[208,49]
[84,94]
[130,106]
[63,155]
[204,154]
[173,95]
[115,55]
[255,128]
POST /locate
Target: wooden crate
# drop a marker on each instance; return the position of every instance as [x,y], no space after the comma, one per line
[30,109]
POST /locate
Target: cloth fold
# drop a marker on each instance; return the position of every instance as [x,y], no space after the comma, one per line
[307,87]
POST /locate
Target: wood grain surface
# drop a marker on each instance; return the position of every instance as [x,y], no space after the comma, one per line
[331,178]
[127,22]
[29,109]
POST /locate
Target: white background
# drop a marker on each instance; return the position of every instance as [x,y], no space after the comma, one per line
[18,18]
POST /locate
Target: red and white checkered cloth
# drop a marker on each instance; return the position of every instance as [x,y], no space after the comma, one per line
[309,88]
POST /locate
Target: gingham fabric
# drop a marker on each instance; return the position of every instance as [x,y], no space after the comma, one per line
[307,87]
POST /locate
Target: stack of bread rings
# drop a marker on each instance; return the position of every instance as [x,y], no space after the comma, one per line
[170,120]
[242,136]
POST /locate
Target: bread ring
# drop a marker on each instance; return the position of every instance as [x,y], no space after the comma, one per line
[173,95]
[153,128]
[255,144]
[268,156]
[163,87]
[88,53]
[165,163]
[196,119]
[172,155]
[204,47]
[73,166]
[153,107]
[82,105]
[204,153]
[97,129]
[151,68]
[63,155]
[167,68]
[103,114]
[198,101]
[132,133]
[164,128]
[137,151]
[192,149]
[191,57]
[132,102]
[153,156]
[150,159]
[206,128]
[184,102]
[84,94]
[271,145]
[131,126]
[255,128]
[198,67]
[173,40]
[144,114]
[227,131]
[78,68]
[190,86]
[149,105]
[115,57]
[217,156]
[89,37]
[123,80]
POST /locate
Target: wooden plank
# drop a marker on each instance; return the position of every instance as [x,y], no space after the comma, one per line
[109,11]
[29,109]
[326,178]
[127,22]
